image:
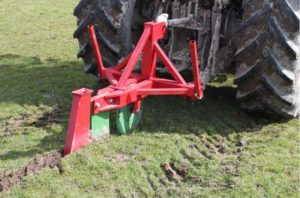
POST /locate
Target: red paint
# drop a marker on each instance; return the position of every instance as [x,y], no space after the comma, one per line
[96,49]
[128,87]
[79,124]
[196,71]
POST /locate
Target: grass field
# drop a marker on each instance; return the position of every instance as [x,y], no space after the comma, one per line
[182,149]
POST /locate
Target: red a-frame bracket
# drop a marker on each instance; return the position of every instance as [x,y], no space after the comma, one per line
[128,87]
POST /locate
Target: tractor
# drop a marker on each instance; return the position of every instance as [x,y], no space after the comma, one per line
[259,39]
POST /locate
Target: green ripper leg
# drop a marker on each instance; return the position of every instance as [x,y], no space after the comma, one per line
[123,120]
[135,119]
[127,121]
[100,125]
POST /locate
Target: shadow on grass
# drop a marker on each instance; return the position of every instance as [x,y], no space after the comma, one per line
[28,84]
[53,141]
[218,113]
[30,81]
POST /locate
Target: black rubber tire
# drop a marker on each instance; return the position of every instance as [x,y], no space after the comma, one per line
[267,67]
[112,20]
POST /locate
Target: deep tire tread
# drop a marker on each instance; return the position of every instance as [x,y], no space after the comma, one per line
[80,6]
[286,74]
[111,20]
[286,7]
[248,73]
[83,25]
[269,85]
[281,36]
[107,19]
[266,74]
[107,43]
[256,17]
[251,44]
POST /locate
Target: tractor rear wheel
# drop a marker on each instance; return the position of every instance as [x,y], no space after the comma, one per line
[112,20]
[118,23]
[267,48]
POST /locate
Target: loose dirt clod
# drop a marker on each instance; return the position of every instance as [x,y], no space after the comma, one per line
[12,124]
[174,173]
[48,118]
[50,160]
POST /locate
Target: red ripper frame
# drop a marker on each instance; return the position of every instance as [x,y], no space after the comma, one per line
[128,87]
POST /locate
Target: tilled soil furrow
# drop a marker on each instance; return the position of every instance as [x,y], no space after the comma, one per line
[40,162]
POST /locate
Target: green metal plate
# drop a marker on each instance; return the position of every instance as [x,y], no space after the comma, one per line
[100,125]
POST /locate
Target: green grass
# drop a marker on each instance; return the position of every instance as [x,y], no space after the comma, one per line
[222,151]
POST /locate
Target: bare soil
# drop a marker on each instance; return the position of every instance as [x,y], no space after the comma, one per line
[174,173]
[50,160]
[48,118]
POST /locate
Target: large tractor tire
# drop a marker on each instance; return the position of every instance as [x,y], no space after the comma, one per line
[267,48]
[112,20]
